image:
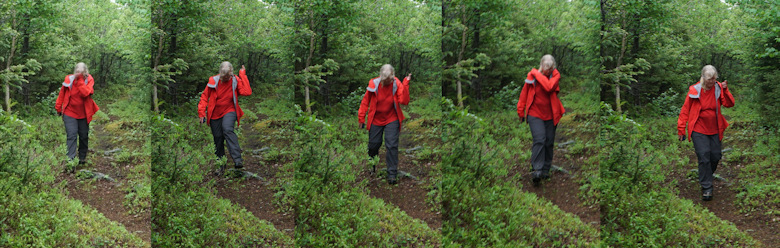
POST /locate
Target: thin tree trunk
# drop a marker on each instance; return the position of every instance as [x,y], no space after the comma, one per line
[619,63]
[7,85]
[324,88]
[308,61]
[603,26]
[460,53]
[154,67]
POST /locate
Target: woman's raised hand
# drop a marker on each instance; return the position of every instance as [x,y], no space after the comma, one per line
[243,68]
[409,77]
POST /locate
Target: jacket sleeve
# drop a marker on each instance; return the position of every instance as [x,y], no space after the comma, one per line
[204,101]
[243,87]
[726,99]
[60,100]
[85,90]
[682,120]
[523,96]
[548,84]
[404,92]
[364,107]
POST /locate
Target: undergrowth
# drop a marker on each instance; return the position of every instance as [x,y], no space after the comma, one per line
[637,206]
[481,208]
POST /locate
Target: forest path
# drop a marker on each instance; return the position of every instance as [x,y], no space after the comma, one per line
[256,195]
[103,195]
[563,188]
[411,193]
[724,202]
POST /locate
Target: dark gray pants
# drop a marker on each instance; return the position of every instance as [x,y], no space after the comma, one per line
[391,132]
[222,130]
[709,153]
[76,128]
[543,133]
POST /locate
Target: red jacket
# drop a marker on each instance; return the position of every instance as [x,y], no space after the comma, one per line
[85,91]
[549,84]
[400,96]
[240,88]
[691,108]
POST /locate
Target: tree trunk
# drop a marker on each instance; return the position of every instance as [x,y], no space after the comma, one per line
[7,85]
[308,61]
[619,63]
[603,26]
[154,67]
[325,88]
[476,84]
[460,53]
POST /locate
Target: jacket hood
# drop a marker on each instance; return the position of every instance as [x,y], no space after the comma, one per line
[374,85]
[72,78]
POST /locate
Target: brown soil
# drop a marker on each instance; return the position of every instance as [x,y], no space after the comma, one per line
[104,196]
[107,197]
[409,195]
[561,189]
[723,204]
[256,196]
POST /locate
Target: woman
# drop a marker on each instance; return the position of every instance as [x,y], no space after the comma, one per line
[218,107]
[540,107]
[701,113]
[75,105]
[382,100]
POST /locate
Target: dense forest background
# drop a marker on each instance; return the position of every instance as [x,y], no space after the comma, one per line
[59,34]
[619,178]
[341,45]
[490,46]
[652,51]
[191,38]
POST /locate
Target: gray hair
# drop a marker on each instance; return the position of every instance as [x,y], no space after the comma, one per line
[707,73]
[387,71]
[81,68]
[547,63]
[225,70]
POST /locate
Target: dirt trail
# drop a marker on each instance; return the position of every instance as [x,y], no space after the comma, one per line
[107,197]
[723,204]
[410,195]
[255,195]
[561,189]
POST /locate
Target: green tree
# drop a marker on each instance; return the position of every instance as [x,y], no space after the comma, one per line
[19,21]
[514,43]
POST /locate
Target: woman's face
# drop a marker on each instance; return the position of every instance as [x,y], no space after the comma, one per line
[547,71]
[710,82]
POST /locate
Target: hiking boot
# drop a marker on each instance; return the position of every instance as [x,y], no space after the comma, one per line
[536,177]
[546,176]
[707,195]
[392,179]
[239,166]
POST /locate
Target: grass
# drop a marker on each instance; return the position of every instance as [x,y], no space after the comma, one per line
[756,152]
[482,205]
[332,205]
[639,206]
[186,210]
[35,209]
[47,218]
[197,218]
